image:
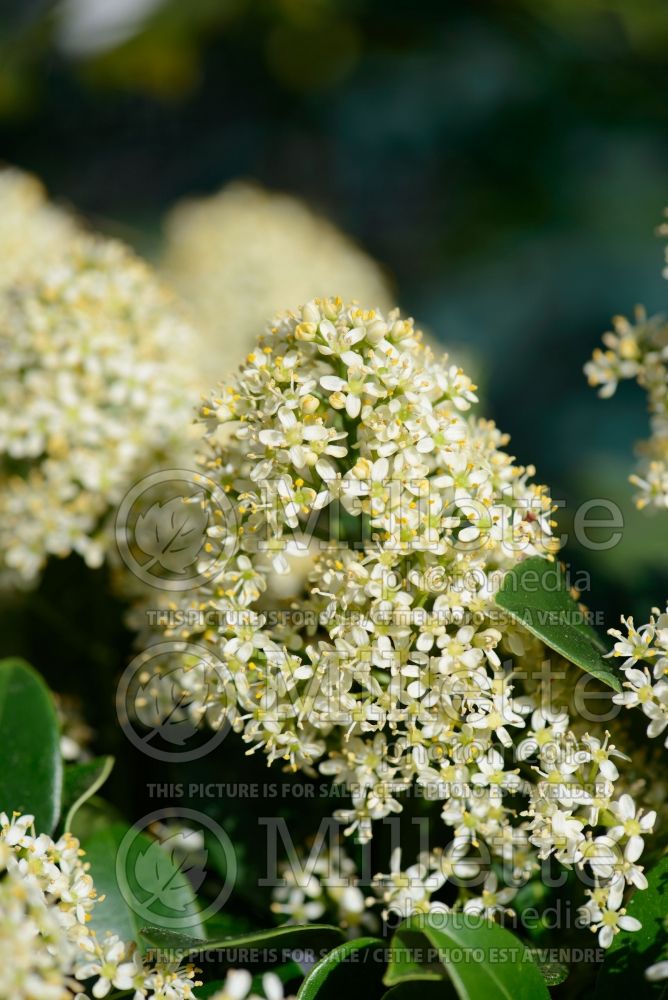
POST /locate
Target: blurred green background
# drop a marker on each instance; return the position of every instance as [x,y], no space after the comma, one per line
[505,161]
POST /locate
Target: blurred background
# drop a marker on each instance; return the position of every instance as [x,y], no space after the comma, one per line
[505,162]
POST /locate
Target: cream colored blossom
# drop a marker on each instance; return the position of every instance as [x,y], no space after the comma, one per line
[47,947]
[645,666]
[324,886]
[393,666]
[639,350]
[95,391]
[32,230]
[75,733]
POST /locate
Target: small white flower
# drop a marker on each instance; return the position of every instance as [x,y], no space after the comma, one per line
[493,900]
[633,823]
[655,973]
[610,919]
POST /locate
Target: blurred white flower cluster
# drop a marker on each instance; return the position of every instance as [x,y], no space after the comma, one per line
[645,652]
[47,945]
[244,254]
[94,392]
[341,429]
[639,351]
[323,886]
[32,231]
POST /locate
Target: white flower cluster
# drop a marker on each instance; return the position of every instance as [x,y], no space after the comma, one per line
[94,392]
[611,858]
[32,231]
[341,429]
[409,891]
[324,886]
[47,946]
[645,666]
[640,351]
[244,254]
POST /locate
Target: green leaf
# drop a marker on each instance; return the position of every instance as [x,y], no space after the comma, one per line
[535,594]
[412,959]
[151,881]
[94,815]
[112,914]
[630,953]
[355,967]
[480,958]
[31,774]
[308,936]
[81,782]
[181,944]
[226,923]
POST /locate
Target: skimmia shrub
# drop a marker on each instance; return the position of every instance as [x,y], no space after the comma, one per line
[362,583]
[344,437]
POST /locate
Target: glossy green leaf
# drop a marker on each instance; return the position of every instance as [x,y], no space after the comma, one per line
[226,923]
[355,967]
[480,958]
[411,956]
[112,914]
[149,879]
[81,782]
[623,971]
[181,944]
[535,594]
[31,773]
[314,937]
